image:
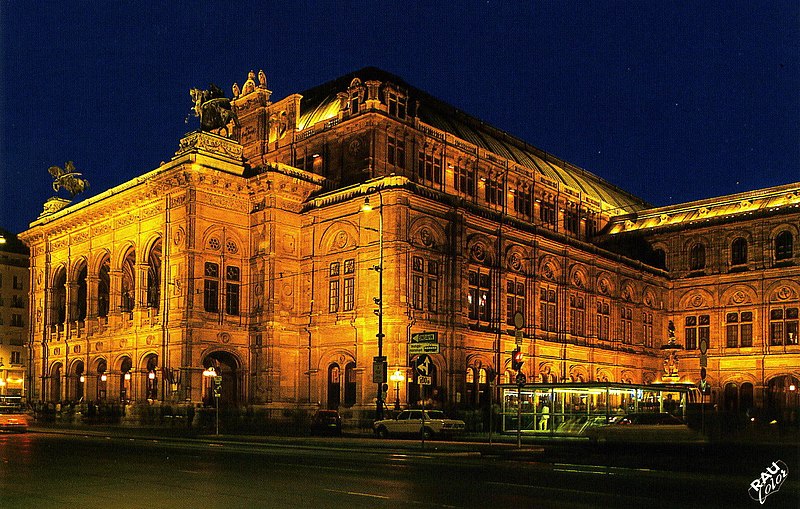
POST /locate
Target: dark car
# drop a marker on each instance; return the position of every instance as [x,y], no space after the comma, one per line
[326,422]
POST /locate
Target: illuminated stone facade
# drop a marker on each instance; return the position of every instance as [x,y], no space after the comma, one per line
[14,318]
[253,256]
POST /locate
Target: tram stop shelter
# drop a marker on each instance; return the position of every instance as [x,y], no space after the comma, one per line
[569,409]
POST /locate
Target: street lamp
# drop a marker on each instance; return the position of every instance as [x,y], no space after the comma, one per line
[397,377]
[211,374]
[379,301]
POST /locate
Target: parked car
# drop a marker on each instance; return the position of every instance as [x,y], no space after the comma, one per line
[656,427]
[326,422]
[13,418]
[410,422]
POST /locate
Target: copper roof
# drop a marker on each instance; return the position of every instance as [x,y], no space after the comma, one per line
[320,103]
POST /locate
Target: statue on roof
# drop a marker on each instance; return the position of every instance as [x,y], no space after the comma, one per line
[67,178]
[213,109]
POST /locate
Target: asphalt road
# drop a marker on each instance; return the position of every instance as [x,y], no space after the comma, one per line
[46,470]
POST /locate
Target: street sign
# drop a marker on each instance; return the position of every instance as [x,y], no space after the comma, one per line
[379,370]
[423,365]
[425,380]
[518,337]
[217,380]
[424,342]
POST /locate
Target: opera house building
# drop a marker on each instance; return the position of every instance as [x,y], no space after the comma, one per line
[304,251]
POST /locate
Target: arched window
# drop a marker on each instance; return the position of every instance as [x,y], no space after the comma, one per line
[660,259]
[154,275]
[59,303]
[697,257]
[739,251]
[103,287]
[128,287]
[79,313]
[783,246]
[334,386]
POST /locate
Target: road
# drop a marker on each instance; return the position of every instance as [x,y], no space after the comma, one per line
[48,470]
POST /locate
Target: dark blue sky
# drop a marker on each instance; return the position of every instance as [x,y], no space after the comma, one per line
[673,101]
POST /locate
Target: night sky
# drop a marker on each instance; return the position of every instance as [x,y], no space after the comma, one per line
[672,101]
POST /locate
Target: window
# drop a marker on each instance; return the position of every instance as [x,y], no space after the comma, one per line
[17,301]
[494,191]
[577,315]
[16,357]
[739,251]
[233,276]
[16,320]
[696,329]
[342,276]
[603,320]
[697,257]
[429,167]
[547,213]
[547,305]
[783,323]
[304,162]
[17,283]
[464,180]
[211,288]
[571,221]
[647,321]
[739,329]
[480,289]
[783,246]
[397,105]
[396,152]
[591,227]
[422,279]
[626,318]
[523,202]
[515,299]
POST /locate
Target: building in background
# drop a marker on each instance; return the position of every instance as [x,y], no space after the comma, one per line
[251,252]
[14,317]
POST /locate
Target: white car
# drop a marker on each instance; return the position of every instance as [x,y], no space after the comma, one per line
[410,422]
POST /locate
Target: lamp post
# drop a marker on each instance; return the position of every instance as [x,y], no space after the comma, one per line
[397,377]
[211,374]
[379,301]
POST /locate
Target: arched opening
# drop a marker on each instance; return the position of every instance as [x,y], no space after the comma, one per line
[225,365]
[783,245]
[151,377]
[102,379]
[697,257]
[782,397]
[103,287]
[660,259]
[55,382]
[746,401]
[154,275]
[79,305]
[75,382]
[128,286]
[350,384]
[334,386]
[125,379]
[739,251]
[731,398]
[59,301]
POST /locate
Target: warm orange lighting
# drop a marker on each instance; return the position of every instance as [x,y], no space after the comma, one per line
[82,379]
[792,387]
[103,377]
[366,207]
[210,371]
[151,375]
[127,376]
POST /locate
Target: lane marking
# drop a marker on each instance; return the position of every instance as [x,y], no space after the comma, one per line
[359,494]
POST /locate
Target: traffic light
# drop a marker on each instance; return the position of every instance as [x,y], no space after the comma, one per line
[516,360]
